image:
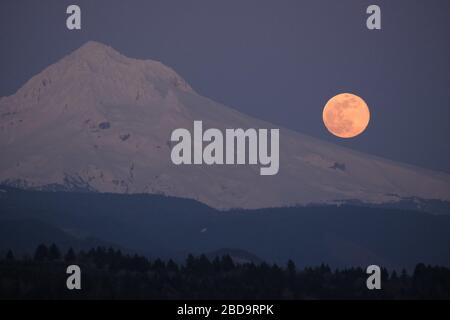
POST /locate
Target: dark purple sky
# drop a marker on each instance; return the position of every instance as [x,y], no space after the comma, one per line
[277,60]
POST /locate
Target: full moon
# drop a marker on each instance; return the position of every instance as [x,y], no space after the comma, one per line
[346,115]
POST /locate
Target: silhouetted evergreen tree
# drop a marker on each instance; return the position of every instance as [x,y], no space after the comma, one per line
[172,266]
[227,263]
[291,267]
[216,264]
[190,263]
[158,265]
[70,256]
[41,253]
[394,275]
[139,263]
[10,255]
[54,253]
[404,275]
[203,265]
[115,275]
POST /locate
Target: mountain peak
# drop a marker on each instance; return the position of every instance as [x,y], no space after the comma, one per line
[99,57]
[104,72]
[94,51]
[94,45]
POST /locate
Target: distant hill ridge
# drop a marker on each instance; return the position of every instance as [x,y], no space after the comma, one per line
[168,227]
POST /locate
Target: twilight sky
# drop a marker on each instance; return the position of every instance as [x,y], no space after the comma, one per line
[276,60]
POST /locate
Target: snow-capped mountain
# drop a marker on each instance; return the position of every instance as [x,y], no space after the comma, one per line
[101,121]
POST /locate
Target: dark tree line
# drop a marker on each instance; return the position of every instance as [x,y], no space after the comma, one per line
[108,273]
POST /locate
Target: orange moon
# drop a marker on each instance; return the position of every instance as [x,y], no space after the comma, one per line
[346,115]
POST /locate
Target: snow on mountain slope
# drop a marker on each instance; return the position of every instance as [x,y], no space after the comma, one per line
[99,120]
